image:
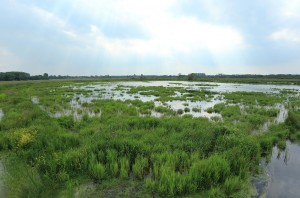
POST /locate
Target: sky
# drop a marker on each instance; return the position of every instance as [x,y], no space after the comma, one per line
[157,37]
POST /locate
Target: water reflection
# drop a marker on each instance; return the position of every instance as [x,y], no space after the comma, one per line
[221,87]
[285,173]
[1,114]
[280,118]
[119,91]
[35,100]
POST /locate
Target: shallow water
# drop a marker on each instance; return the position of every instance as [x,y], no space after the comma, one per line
[284,172]
[203,105]
[118,91]
[1,114]
[280,118]
[35,100]
[282,115]
[221,87]
[110,92]
[281,178]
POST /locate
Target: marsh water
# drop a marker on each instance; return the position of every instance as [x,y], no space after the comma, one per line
[1,114]
[284,172]
[119,91]
[282,175]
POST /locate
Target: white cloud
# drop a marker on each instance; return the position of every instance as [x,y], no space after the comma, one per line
[286,34]
[48,17]
[187,34]
[71,34]
[291,8]
[165,41]
[166,32]
[184,35]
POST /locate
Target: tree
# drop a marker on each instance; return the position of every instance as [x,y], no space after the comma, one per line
[46,77]
[8,76]
[191,77]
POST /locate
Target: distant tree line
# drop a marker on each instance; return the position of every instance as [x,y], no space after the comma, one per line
[71,77]
[273,76]
[11,76]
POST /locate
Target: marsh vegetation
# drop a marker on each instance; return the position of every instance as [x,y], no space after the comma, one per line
[141,139]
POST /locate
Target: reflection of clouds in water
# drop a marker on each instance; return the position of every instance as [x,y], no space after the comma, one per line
[221,87]
[281,176]
[35,99]
[203,105]
[282,115]
[280,118]
[284,171]
[111,92]
[118,91]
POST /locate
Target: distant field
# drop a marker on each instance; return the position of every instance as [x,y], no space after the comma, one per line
[112,138]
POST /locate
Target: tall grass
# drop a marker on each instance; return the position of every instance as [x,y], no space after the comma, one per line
[169,156]
[140,167]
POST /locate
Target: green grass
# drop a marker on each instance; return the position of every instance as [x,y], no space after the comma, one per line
[127,155]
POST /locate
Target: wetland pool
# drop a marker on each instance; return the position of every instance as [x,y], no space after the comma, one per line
[281,178]
[284,172]
[1,114]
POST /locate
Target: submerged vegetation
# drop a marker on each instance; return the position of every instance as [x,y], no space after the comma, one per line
[57,137]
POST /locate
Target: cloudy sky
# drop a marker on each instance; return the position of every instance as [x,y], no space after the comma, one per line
[121,37]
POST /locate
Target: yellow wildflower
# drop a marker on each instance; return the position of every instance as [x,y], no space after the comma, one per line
[25,138]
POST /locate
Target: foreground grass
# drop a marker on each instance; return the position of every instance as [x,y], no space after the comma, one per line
[121,154]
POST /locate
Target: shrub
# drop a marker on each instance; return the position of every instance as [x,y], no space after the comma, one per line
[179,111]
[194,109]
[186,109]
